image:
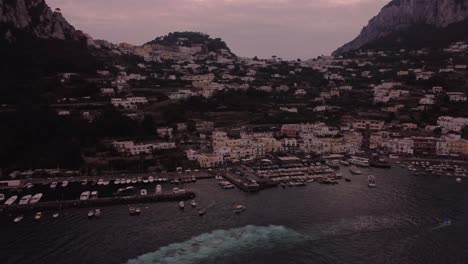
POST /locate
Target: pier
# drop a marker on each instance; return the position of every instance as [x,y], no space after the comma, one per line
[55,205]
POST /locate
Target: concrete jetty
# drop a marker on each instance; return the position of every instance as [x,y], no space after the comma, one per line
[55,205]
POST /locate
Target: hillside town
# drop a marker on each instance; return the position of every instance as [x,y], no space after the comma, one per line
[200,106]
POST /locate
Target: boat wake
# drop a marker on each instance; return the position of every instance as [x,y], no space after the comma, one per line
[221,243]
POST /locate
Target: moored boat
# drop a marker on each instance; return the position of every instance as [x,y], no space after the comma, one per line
[359,161]
[355,171]
[239,208]
[181,205]
[202,212]
[25,199]
[64,184]
[193,203]
[158,189]
[459,180]
[11,200]
[143,192]
[85,196]
[36,198]
[53,185]
[97,212]
[90,213]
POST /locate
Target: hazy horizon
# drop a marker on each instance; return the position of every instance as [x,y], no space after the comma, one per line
[287,28]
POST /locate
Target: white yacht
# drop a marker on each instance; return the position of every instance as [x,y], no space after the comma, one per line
[363,162]
[143,192]
[158,189]
[36,198]
[64,184]
[25,199]
[84,196]
[181,205]
[371,181]
[11,200]
[18,219]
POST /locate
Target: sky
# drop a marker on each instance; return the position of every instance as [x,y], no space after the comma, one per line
[289,29]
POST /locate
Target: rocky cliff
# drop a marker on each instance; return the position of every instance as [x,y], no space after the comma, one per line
[36,18]
[399,15]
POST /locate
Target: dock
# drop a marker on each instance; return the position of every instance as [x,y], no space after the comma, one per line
[99,202]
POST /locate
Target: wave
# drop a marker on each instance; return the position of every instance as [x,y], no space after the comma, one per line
[221,243]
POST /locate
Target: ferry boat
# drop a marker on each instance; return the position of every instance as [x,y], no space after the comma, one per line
[181,205]
[143,192]
[25,199]
[64,184]
[53,185]
[11,200]
[239,209]
[371,181]
[18,219]
[358,161]
[38,216]
[97,212]
[193,203]
[355,171]
[158,189]
[2,197]
[36,198]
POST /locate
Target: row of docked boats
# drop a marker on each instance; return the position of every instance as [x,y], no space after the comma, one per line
[25,200]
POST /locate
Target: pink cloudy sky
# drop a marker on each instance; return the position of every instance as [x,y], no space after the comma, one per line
[287,28]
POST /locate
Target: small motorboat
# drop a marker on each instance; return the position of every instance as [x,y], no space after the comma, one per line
[355,171]
[38,216]
[193,203]
[84,182]
[143,192]
[94,195]
[55,215]
[134,211]
[133,181]
[29,186]
[202,212]
[18,219]
[64,184]
[85,196]
[459,180]
[371,181]
[150,179]
[158,189]
[117,182]
[181,205]
[145,181]
[91,214]
[239,209]
[53,185]
[97,213]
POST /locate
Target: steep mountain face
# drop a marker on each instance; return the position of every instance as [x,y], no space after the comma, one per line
[36,41]
[400,15]
[35,18]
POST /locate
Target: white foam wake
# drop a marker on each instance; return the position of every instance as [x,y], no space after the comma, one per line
[220,243]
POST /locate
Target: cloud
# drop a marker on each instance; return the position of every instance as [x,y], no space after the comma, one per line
[288,28]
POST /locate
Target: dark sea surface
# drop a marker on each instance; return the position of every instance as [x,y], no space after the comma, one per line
[397,222]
